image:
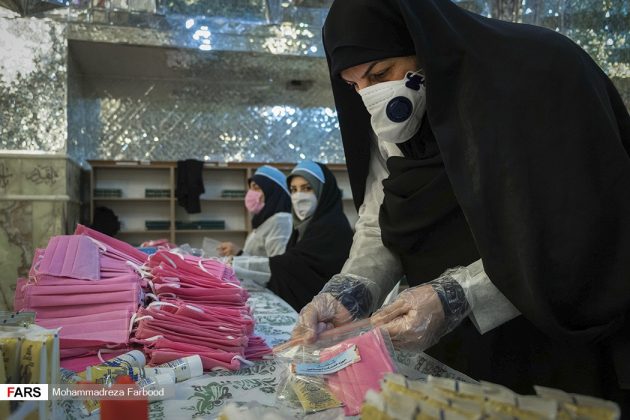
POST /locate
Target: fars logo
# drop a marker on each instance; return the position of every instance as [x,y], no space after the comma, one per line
[22,392]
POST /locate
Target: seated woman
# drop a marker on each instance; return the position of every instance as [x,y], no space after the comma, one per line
[269,202]
[321,237]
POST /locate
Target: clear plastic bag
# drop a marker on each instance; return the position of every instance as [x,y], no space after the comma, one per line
[338,370]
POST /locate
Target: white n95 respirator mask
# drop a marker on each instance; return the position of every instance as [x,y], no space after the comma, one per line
[304,204]
[396,107]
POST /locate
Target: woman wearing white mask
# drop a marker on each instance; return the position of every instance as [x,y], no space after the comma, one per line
[268,201]
[510,165]
[321,237]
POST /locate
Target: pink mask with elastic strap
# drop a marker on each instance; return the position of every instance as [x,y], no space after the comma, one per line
[73,256]
[163,310]
[91,330]
[146,330]
[162,350]
[253,201]
[113,245]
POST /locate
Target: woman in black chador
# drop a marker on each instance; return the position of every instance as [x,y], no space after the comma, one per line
[490,161]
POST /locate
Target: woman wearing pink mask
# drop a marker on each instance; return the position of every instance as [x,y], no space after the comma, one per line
[269,202]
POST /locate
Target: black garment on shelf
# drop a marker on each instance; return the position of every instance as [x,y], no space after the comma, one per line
[189,184]
[311,259]
[105,221]
[277,200]
[534,139]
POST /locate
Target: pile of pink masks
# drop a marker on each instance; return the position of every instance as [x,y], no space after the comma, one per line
[200,308]
[89,285]
[349,385]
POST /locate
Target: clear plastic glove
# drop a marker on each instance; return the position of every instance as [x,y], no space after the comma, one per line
[227,249]
[421,315]
[322,313]
[343,299]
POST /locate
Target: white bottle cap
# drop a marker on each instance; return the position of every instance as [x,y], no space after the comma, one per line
[138,356]
[196,366]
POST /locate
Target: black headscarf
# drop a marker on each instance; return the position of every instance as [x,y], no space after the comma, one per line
[534,139]
[277,200]
[313,257]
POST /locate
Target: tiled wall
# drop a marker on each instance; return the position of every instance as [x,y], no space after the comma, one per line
[39,198]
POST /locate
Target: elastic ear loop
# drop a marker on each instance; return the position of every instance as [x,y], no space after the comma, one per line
[169,259]
[181,256]
[195,308]
[158,304]
[203,268]
[135,318]
[169,284]
[150,339]
[152,296]
[243,360]
[152,287]
[104,350]
[140,270]
[154,338]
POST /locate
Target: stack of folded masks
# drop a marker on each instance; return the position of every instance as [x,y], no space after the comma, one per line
[200,309]
[87,284]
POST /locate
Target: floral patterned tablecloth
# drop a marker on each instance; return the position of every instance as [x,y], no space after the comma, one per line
[204,397]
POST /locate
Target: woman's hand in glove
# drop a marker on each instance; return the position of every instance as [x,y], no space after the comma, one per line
[421,315]
[344,298]
[415,319]
[322,313]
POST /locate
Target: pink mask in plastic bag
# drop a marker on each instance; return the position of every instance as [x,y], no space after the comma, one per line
[74,256]
[253,201]
[352,383]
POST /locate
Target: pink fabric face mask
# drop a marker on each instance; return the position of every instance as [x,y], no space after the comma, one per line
[46,280]
[191,267]
[147,330]
[167,274]
[257,348]
[253,201]
[163,350]
[162,310]
[98,330]
[113,245]
[74,256]
[49,312]
[228,317]
[53,297]
[352,383]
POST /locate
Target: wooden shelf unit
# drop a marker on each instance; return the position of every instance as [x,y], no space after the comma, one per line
[133,209]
